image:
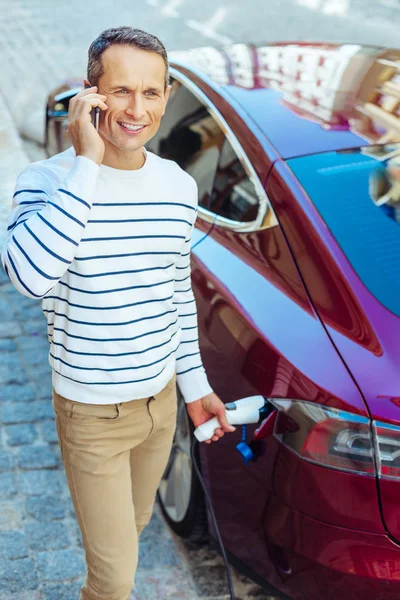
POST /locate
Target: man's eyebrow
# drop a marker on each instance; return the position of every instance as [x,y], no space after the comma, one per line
[125,87]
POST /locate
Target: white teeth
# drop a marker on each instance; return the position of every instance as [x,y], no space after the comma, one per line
[132,127]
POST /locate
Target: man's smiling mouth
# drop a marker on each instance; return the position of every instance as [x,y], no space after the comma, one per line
[132,129]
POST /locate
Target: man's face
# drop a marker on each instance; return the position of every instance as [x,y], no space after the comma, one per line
[134,83]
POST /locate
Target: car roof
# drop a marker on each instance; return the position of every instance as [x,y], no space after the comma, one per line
[307,97]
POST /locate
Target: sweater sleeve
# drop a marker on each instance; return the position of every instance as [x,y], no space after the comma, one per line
[46,226]
[191,375]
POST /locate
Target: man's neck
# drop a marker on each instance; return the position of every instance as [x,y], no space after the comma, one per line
[131,161]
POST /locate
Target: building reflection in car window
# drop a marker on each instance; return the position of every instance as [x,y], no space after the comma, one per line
[384,182]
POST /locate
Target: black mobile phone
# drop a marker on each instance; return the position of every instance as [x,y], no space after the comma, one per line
[94,113]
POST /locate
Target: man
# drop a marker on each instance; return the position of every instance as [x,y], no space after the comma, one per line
[101,232]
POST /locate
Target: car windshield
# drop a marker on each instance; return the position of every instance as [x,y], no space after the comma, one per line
[357,193]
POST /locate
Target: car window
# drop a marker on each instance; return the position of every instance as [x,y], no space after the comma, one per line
[357,193]
[190,136]
[233,196]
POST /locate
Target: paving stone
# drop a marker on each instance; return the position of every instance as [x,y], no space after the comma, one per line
[36,457]
[31,342]
[35,356]
[38,483]
[21,412]
[6,314]
[25,595]
[43,388]
[12,375]
[29,311]
[46,508]
[6,461]
[12,545]
[3,276]
[41,371]
[60,564]
[10,516]
[18,575]
[44,410]
[10,329]
[156,553]
[7,345]
[59,591]
[166,582]
[47,536]
[10,360]
[17,435]
[18,393]
[35,327]
[49,431]
[7,485]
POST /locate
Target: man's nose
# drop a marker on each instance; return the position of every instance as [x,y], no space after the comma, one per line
[135,108]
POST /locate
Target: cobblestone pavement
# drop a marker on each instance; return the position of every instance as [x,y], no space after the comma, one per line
[41,43]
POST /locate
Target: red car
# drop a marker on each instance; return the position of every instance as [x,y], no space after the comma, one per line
[298,294]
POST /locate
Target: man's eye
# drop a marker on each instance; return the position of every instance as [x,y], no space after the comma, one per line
[150,93]
[122,91]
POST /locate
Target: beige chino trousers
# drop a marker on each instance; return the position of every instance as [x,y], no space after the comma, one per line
[114,457]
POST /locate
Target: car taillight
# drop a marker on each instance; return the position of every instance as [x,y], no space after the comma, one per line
[326,436]
[387,445]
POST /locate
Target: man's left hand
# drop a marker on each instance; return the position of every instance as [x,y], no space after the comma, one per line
[206,408]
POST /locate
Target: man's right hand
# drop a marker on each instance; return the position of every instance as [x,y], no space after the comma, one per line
[84,137]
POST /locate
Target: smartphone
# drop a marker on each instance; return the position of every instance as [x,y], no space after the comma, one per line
[94,113]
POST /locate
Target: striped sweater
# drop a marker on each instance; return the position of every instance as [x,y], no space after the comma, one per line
[108,252]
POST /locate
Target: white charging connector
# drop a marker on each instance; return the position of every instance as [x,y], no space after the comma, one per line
[240,412]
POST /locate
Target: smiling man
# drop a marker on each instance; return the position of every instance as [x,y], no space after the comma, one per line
[102,234]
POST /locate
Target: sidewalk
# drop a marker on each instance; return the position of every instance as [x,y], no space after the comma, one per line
[41,556]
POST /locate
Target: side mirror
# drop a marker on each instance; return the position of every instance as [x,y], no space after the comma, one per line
[56,137]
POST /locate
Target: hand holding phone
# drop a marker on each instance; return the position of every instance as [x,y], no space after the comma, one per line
[86,140]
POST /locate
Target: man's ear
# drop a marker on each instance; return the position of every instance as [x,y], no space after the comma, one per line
[86,83]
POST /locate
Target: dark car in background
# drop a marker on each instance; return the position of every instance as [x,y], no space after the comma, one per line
[295,269]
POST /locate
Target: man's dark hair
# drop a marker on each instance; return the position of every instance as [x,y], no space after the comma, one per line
[127,36]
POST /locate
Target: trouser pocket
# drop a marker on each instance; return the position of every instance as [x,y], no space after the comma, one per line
[59,435]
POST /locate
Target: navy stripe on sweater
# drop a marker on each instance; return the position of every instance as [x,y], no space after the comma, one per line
[133,237]
[45,310]
[19,278]
[188,370]
[45,247]
[64,362]
[57,230]
[111,382]
[120,353]
[143,204]
[125,339]
[111,307]
[73,196]
[66,214]
[140,221]
[29,192]
[42,273]
[18,218]
[99,256]
[121,272]
[135,287]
